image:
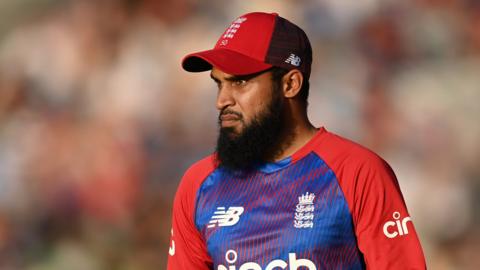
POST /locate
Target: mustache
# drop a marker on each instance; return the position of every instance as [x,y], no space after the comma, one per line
[228,111]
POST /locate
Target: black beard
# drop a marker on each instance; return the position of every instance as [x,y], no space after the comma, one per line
[257,143]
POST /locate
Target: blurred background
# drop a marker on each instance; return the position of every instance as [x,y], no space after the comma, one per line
[98,121]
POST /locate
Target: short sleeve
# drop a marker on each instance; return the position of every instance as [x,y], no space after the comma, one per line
[187,247]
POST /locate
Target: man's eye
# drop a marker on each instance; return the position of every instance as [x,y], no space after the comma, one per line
[239,82]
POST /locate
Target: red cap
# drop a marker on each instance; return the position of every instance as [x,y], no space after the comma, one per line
[255,42]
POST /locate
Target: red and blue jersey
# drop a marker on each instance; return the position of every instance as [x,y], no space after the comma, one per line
[331,205]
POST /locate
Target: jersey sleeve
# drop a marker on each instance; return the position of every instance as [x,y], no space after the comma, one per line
[187,247]
[384,230]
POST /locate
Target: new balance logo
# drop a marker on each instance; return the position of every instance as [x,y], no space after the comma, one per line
[223,218]
[293,60]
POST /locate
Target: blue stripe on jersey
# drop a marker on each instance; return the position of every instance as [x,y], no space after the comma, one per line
[275,166]
[266,231]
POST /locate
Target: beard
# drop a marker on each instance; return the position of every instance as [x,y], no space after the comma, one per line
[257,143]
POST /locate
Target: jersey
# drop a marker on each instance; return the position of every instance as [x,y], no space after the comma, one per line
[331,205]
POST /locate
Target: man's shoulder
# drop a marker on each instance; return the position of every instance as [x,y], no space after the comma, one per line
[354,165]
[336,149]
[199,170]
[194,177]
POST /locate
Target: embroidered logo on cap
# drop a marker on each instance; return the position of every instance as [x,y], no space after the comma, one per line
[293,60]
[232,30]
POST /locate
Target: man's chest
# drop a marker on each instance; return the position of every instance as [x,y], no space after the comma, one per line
[295,215]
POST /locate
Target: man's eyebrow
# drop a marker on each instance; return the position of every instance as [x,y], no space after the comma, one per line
[246,77]
[240,77]
[213,78]
[232,78]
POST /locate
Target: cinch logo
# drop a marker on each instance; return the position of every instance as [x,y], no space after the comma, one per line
[225,218]
[401,226]
[293,263]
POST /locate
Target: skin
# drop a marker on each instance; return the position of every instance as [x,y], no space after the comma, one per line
[241,98]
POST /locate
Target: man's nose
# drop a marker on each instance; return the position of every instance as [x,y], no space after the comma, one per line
[224,98]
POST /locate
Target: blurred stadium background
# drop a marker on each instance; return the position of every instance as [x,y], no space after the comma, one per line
[98,121]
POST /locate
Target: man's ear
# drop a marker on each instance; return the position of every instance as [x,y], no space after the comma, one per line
[292,83]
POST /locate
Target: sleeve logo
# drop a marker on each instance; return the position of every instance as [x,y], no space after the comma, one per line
[223,218]
[399,226]
[171,249]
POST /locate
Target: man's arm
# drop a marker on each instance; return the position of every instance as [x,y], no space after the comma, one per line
[187,247]
[385,232]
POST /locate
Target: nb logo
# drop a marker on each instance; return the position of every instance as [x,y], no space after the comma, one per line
[401,226]
[293,60]
[229,217]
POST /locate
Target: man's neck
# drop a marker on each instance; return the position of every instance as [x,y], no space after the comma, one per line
[294,138]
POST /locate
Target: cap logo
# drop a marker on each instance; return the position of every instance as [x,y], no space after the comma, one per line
[293,60]
[232,30]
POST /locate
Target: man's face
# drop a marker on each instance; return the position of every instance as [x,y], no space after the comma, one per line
[241,98]
[250,118]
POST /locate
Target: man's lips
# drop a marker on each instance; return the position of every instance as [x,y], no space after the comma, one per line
[229,117]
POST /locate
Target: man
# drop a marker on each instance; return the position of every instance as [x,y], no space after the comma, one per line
[279,193]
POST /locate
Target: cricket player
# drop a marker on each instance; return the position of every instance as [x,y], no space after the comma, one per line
[280,193]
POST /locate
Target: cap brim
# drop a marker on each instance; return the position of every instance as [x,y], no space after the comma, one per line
[228,61]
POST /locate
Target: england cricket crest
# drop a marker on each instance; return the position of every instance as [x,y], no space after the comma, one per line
[304,212]
[232,30]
